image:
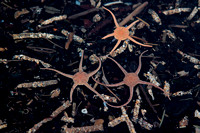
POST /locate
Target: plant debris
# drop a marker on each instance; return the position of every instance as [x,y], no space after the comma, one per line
[44,41]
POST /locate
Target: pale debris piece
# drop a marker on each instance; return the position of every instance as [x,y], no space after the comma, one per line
[197,114]
[113,3]
[36,35]
[175,11]
[86,129]
[193,13]
[51,20]
[4,61]
[152,78]
[182,73]
[184,122]
[52,116]
[145,124]
[197,67]
[190,58]
[96,18]
[3,124]
[67,119]
[19,13]
[123,118]
[167,89]
[75,37]
[55,93]
[136,110]
[170,34]
[155,16]
[37,84]
[181,93]
[107,98]
[27,58]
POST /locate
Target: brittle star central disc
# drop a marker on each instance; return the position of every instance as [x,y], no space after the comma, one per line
[121,33]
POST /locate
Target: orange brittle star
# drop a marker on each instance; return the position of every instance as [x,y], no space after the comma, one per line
[130,79]
[122,33]
[80,78]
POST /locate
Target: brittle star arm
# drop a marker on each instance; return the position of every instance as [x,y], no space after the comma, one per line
[115,85]
[109,35]
[128,27]
[95,71]
[140,63]
[133,40]
[147,83]
[115,20]
[109,85]
[116,45]
[72,91]
[122,69]
[129,99]
[93,90]
[64,74]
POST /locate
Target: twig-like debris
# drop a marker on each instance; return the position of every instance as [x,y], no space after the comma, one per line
[113,3]
[155,16]
[123,118]
[55,93]
[3,126]
[42,50]
[53,115]
[3,3]
[27,58]
[169,34]
[178,26]
[67,119]
[193,13]
[162,119]
[166,88]
[134,13]
[177,10]
[181,93]
[70,38]
[19,13]
[145,124]
[83,13]
[36,35]
[118,51]
[152,78]
[190,58]
[75,37]
[37,84]
[137,107]
[107,98]
[73,109]
[51,10]
[51,20]
[136,110]
[86,129]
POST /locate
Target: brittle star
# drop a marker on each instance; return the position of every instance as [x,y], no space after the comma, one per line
[80,78]
[122,33]
[130,79]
